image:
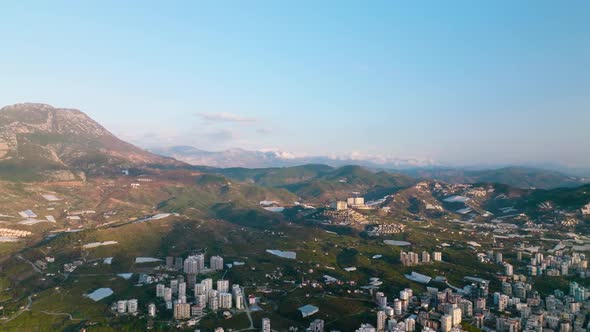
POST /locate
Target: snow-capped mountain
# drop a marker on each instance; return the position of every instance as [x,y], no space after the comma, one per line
[277,158]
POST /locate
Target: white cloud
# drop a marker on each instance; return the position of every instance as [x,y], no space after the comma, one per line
[225,117]
[221,135]
[264,131]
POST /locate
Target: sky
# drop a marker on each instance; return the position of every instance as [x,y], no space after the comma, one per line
[459,82]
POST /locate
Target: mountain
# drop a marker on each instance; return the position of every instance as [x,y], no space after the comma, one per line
[561,198]
[271,177]
[38,140]
[342,182]
[319,183]
[274,158]
[515,176]
[227,158]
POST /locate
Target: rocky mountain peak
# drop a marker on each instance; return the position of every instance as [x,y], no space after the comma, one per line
[43,136]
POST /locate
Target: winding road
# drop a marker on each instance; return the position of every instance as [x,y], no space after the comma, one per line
[26,308]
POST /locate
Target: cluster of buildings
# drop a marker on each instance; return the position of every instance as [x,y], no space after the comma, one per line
[344,217]
[392,228]
[413,259]
[515,307]
[194,264]
[71,267]
[558,264]
[205,297]
[433,310]
[126,306]
[42,263]
[525,310]
[189,299]
[351,203]
[13,233]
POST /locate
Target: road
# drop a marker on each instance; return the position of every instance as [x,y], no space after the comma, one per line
[19,256]
[27,307]
[247,308]
[61,314]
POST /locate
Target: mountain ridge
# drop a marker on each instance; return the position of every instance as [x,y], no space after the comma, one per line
[515,175]
[49,139]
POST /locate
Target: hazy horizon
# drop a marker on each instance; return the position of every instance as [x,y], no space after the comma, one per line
[464,84]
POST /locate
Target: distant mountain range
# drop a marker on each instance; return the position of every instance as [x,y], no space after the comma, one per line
[517,176]
[274,158]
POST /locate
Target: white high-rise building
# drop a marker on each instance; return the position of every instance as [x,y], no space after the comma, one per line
[366,328]
[182,289]
[316,326]
[200,289]
[174,286]
[508,269]
[410,324]
[446,323]
[397,307]
[225,300]
[457,316]
[265,325]
[425,257]
[191,265]
[182,311]
[160,290]
[340,205]
[223,286]
[381,319]
[437,256]
[167,294]
[208,284]
[121,306]
[152,310]
[216,263]
[200,262]
[212,293]
[239,299]
[381,300]
[132,306]
[201,300]
[214,303]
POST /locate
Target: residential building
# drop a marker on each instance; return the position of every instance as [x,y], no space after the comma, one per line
[265,325]
[132,306]
[182,311]
[216,263]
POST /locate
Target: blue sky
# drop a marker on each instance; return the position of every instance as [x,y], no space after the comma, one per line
[463,82]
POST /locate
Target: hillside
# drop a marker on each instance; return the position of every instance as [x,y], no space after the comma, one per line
[38,141]
[343,181]
[271,177]
[520,177]
[319,183]
[563,198]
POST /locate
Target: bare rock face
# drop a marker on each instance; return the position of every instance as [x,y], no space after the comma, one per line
[42,136]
